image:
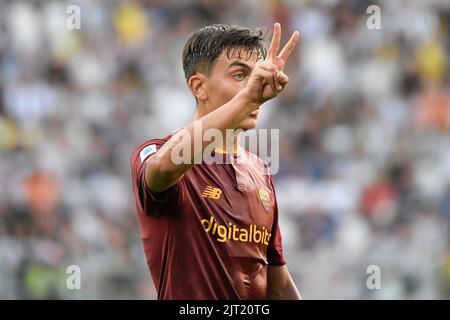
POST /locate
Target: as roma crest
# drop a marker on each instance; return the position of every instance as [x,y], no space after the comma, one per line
[264,195]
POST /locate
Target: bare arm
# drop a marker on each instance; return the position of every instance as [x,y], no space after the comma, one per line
[266,82]
[161,172]
[280,285]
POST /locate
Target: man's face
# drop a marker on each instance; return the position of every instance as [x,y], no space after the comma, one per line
[227,77]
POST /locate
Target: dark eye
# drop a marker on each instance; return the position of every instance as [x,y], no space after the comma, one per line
[239,76]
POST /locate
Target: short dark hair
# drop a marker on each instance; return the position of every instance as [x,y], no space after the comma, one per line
[206,44]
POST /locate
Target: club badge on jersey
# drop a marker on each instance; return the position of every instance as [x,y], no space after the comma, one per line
[264,196]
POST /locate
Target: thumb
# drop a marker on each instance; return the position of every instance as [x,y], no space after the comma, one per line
[282,78]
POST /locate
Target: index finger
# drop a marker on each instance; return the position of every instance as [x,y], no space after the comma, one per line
[275,43]
[289,47]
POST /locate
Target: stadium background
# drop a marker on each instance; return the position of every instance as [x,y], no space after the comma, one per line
[365,149]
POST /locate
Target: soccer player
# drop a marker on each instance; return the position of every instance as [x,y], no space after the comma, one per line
[210,230]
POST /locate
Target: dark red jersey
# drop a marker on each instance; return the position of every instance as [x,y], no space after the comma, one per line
[213,234]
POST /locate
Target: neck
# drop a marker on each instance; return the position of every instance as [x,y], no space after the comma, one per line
[201,110]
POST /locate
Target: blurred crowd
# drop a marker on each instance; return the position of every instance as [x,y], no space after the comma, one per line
[364,177]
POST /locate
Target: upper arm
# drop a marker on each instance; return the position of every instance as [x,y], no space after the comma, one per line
[280,285]
[162,169]
[157,177]
[276,280]
[153,201]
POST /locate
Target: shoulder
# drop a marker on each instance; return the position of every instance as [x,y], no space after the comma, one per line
[147,148]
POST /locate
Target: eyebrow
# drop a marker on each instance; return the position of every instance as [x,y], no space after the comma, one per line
[240,64]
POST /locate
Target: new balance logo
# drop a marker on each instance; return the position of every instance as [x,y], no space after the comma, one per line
[212,193]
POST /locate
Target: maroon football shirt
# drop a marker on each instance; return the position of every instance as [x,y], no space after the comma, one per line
[213,234]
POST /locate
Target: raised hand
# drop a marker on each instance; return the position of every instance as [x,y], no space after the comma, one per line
[268,79]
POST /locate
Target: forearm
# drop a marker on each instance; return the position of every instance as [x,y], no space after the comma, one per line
[227,117]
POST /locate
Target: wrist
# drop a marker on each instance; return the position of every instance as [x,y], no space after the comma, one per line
[245,99]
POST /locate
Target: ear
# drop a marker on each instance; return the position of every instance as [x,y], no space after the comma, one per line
[197,84]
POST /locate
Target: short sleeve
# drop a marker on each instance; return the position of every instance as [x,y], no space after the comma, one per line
[152,203]
[275,249]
